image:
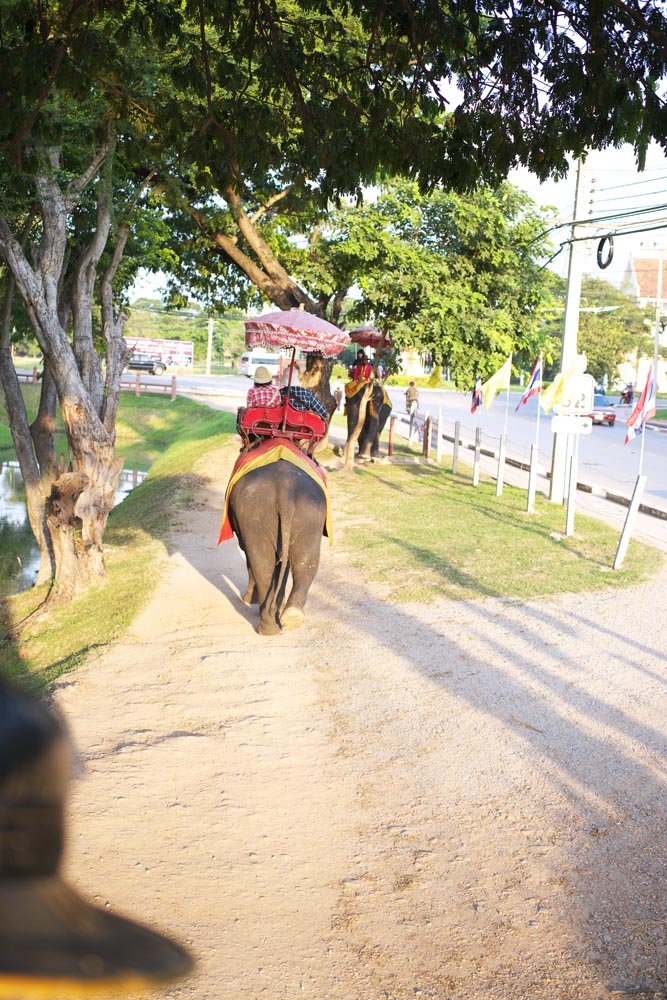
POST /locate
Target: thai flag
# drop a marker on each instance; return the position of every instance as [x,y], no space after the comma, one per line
[534,386]
[477,395]
[644,408]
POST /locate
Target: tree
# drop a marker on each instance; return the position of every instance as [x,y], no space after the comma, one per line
[70,184]
[328,99]
[247,106]
[611,327]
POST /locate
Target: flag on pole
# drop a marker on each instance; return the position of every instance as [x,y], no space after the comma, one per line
[534,386]
[476,395]
[501,380]
[644,408]
[560,388]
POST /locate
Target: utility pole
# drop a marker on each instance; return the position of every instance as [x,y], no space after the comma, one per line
[569,342]
[658,317]
[209,346]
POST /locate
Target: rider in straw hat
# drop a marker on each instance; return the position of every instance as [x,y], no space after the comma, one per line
[264,392]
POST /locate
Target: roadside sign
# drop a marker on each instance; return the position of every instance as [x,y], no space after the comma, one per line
[571,423]
[581,390]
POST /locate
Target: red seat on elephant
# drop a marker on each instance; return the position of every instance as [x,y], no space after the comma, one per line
[281,421]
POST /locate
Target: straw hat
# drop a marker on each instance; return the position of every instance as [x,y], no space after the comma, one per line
[262,375]
[52,941]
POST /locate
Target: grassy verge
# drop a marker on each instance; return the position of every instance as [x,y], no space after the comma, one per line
[175,435]
[422,533]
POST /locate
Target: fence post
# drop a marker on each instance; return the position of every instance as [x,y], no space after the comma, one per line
[34,375]
[427,438]
[478,455]
[390,446]
[455,453]
[137,385]
[173,388]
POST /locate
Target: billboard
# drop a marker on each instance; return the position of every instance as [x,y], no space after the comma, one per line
[178,353]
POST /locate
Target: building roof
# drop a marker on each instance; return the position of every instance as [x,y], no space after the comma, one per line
[647,272]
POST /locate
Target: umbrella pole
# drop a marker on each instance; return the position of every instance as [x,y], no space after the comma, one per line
[289,383]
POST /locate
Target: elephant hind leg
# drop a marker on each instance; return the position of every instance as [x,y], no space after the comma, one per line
[292,617]
[250,596]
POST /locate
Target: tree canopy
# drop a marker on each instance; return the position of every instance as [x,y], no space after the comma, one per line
[612,327]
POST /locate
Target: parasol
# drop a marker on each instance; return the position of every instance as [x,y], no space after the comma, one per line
[296,329]
[368,336]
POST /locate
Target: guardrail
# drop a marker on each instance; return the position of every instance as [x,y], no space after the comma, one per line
[137,386]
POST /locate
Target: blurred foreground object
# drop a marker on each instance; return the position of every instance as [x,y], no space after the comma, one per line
[53,942]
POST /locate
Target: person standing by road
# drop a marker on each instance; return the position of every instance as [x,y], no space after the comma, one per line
[338,393]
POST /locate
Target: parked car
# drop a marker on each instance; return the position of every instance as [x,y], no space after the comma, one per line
[603,411]
[145,363]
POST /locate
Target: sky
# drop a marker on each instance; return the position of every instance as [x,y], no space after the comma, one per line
[615,194]
[616,198]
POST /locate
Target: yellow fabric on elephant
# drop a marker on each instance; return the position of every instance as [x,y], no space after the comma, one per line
[267,454]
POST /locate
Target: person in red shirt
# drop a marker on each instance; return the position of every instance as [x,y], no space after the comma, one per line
[362,368]
[264,392]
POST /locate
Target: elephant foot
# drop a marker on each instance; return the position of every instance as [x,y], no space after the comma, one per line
[292,618]
[268,628]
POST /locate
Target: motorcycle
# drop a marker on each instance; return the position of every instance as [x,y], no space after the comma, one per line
[628,394]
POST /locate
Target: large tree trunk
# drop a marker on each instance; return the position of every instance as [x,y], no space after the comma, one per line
[79,502]
[37,466]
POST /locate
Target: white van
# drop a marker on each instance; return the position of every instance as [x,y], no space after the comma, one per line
[260,356]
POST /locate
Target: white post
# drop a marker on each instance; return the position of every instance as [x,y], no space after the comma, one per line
[569,342]
[501,466]
[630,519]
[571,495]
[438,445]
[455,453]
[209,346]
[658,314]
[532,479]
[478,455]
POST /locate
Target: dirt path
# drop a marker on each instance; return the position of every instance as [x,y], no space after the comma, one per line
[457,801]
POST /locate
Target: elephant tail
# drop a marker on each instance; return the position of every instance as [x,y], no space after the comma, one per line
[286,516]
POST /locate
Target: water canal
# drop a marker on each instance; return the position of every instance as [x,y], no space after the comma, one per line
[19,555]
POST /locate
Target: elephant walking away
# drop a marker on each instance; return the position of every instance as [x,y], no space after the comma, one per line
[377,414]
[279,512]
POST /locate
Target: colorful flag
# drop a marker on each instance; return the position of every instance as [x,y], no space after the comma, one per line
[644,408]
[534,383]
[559,390]
[501,380]
[476,395]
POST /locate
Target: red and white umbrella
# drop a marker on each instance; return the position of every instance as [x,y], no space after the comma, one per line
[296,329]
[368,336]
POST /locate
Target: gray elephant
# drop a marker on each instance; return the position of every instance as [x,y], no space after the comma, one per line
[377,415]
[278,513]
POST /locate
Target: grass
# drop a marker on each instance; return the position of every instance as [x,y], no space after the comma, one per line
[178,433]
[416,530]
[422,533]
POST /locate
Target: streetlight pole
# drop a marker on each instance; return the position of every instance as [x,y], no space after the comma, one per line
[658,317]
[569,341]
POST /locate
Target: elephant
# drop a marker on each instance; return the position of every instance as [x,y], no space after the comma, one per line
[369,439]
[278,513]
